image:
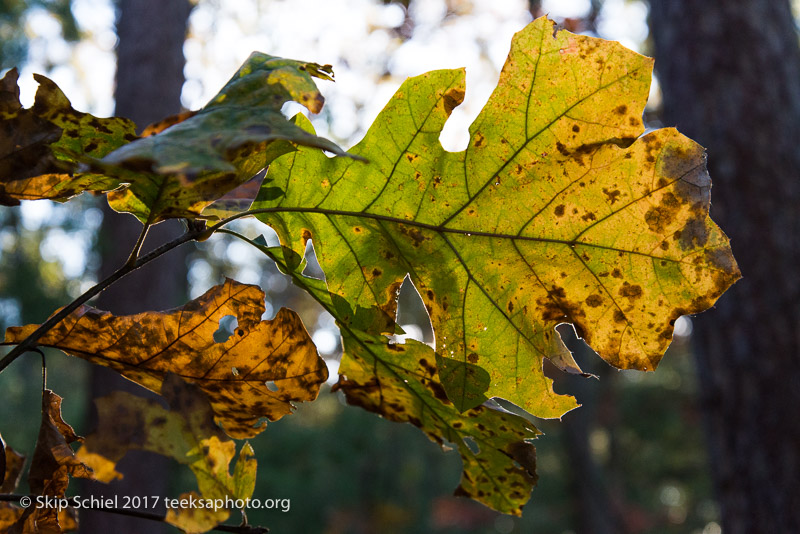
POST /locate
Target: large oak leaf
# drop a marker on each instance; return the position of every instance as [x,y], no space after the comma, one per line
[560,210]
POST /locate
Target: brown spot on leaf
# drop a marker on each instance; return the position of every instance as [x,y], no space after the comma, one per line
[594,300]
[473,357]
[415,234]
[559,211]
[453,98]
[612,196]
[619,317]
[622,109]
[631,291]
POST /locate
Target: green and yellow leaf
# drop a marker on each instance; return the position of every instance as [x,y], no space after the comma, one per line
[185,432]
[402,383]
[185,167]
[232,373]
[560,210]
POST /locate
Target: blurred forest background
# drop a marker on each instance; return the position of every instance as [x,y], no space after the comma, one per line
[635,458]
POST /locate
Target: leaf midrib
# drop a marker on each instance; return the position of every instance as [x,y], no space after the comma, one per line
[465,232]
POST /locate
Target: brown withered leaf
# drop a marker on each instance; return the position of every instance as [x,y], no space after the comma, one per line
[9,514]
[41,146]
[233,373]
[12,463]
[52,465]
[2,460]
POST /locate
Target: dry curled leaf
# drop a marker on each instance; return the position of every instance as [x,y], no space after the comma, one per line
[52,465]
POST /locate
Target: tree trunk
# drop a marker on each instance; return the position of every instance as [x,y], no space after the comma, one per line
[148,86]
[730,73]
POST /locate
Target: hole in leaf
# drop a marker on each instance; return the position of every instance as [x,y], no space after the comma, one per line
[271,385]
[470,443]
[227,326]
[313,269]
[412,316]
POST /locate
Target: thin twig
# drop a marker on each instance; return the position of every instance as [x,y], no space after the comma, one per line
[138,246]
[192,234]
[30,342]
[44,369]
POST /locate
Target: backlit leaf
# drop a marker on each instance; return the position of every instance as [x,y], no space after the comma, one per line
[52,465]
[12,469]
[11,464]
[40,147]
[185,167]
[186,432]
[401,383]
[560,210]
[232,373]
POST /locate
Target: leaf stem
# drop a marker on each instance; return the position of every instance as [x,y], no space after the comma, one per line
[138,246]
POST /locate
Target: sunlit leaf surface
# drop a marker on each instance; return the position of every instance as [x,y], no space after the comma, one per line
[559,211]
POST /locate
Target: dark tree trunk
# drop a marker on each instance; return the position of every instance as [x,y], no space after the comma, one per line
[148,86]
[589,483]
[730,73]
